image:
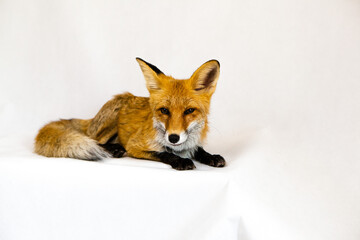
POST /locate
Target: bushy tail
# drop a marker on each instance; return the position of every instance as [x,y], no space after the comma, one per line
[67,138]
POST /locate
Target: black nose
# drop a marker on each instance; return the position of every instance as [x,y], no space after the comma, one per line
[174,138]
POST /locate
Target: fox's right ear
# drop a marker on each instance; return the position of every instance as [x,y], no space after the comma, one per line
[204,79]
[151,75]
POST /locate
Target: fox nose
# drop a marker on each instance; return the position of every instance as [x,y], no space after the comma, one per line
[174,138]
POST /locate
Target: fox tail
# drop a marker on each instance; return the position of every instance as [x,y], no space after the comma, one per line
[67,138]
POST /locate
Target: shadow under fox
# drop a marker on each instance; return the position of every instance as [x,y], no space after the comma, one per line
[169,126]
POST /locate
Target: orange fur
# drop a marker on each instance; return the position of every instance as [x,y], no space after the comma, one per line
[133,118]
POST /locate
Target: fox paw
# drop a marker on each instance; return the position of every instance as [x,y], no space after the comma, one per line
[214,160]
[115,149]
[182,164]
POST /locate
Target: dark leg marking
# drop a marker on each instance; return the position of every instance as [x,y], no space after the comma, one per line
[113,138]
[213,160]
[116,150]
[176,162]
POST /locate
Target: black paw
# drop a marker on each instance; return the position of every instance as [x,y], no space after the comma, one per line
[182,164]
[115,149]
[214,160]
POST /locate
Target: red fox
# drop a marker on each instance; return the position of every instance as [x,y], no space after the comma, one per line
[169,126]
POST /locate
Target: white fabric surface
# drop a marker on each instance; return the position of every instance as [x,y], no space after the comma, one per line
[285,116]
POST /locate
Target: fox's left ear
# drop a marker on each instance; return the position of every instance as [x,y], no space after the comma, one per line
[151,74]
[204,79]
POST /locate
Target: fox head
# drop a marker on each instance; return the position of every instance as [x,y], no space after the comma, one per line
[180,107]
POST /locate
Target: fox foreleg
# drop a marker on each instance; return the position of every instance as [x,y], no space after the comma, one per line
[209,159]
[175,161]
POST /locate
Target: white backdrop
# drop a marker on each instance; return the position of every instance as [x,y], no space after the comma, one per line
[285,115]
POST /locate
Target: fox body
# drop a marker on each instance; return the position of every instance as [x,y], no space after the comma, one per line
[169,126]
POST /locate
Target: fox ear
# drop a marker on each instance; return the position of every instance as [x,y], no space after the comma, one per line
[204,79]
[151,74]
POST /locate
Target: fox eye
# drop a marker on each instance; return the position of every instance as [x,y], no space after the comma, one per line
[189,110]
[165,111]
